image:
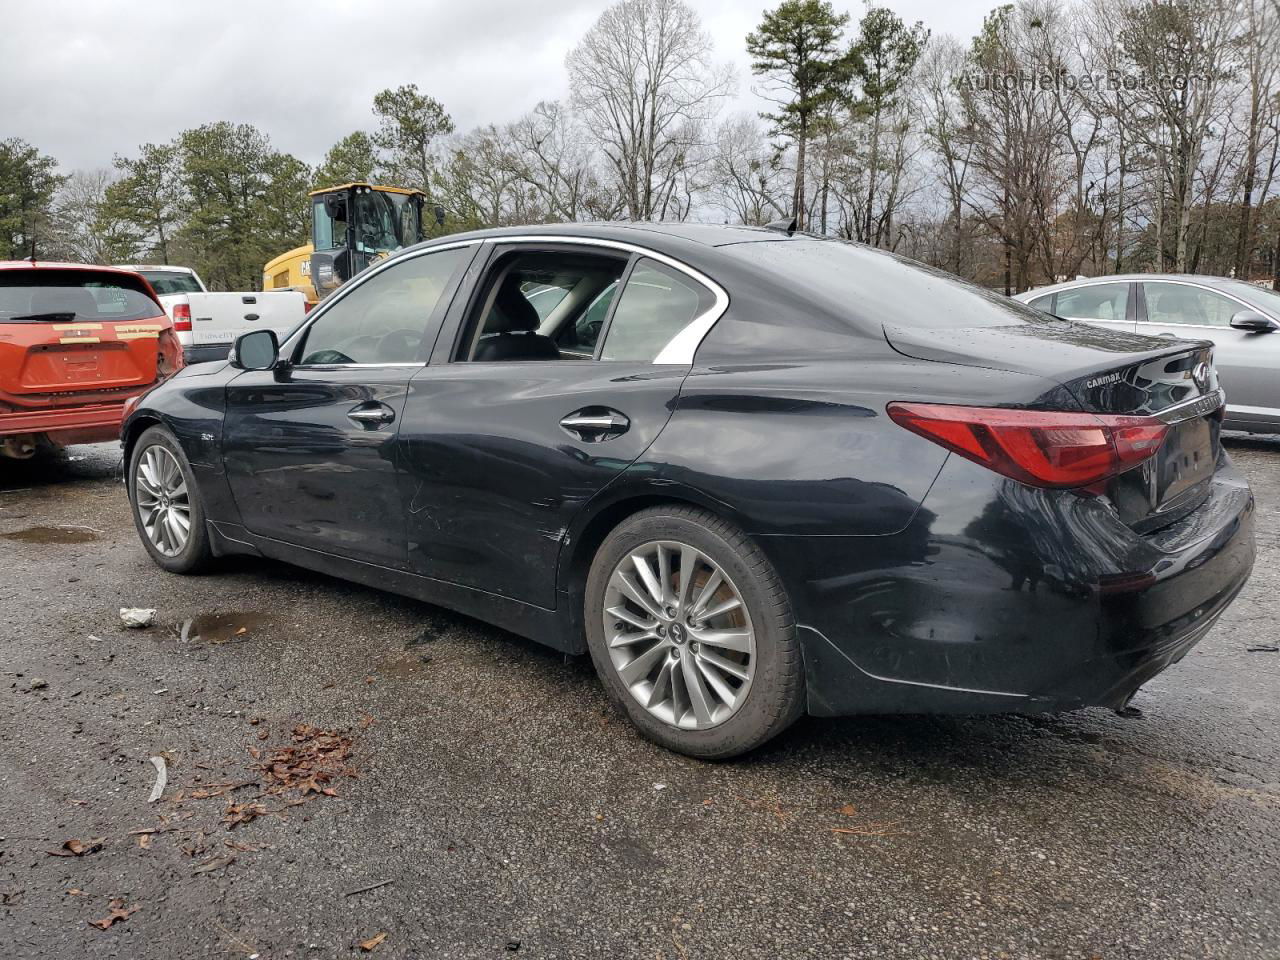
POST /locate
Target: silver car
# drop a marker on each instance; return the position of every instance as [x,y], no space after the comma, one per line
[1241,319]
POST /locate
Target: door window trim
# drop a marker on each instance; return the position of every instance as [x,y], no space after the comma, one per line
[299,335]
[681,348]
[1198,286]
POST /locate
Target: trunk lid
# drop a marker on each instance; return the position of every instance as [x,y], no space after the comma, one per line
[1108,372]
[40,358]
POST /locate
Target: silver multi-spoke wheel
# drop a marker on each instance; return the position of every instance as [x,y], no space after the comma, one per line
[679,634]
[162,501]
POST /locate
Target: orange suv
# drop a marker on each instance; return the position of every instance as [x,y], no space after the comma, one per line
[76,342]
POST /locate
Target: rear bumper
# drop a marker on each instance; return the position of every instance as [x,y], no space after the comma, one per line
[90,423]
[1000,598]
[205,353]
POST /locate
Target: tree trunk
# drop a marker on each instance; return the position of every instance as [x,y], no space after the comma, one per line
[797,201]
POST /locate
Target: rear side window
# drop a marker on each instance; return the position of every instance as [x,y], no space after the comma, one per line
[656,304]
[64,296]
[1097,301]
[165,282]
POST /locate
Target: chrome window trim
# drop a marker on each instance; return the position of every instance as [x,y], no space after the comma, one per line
[681,348]
[326,305]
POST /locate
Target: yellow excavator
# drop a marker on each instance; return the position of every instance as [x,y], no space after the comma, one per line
[352,226]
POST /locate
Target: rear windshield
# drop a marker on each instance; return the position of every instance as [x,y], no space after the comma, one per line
[877,287]
[61,296]
[171,281]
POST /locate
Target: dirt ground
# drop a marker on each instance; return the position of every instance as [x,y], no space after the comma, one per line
[344,764]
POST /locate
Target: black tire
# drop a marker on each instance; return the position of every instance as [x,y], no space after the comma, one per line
[196,555]
[775,698]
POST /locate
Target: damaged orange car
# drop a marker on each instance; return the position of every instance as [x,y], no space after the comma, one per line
[76,343]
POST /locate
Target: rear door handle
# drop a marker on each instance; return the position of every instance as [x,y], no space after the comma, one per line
[594,424]
[251,316]
[372,415]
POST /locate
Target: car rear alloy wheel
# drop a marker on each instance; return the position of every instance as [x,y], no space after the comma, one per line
[163,501]
[679,634]
[692,634]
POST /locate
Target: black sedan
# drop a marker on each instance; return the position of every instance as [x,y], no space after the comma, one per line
[753,474]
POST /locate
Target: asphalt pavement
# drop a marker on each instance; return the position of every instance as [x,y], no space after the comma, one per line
[346,767]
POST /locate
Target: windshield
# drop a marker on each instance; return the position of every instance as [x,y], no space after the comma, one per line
[1262,297]
[52,296]
[877,287]
[171,281]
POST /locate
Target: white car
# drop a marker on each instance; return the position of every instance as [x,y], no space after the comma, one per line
[207,323]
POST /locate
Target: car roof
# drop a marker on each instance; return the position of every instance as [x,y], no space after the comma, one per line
[57,265]
[1200,278]
[163,267]
[650,233]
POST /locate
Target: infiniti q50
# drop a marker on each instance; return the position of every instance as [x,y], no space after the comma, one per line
[753,474]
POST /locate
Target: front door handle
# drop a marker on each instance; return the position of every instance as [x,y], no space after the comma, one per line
[594,424]
[371,416]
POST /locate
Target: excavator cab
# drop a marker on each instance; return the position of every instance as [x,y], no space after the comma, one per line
[357,224]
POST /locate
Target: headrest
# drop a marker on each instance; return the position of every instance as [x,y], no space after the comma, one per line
[511,311]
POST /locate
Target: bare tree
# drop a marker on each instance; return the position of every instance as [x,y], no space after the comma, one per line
[646,87]
[749,177]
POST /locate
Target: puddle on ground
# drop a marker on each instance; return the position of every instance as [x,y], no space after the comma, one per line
[68,534]
[226,627]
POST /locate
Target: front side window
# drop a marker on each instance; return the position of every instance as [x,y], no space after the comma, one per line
[1044,303]
[1097,301]
[656,304]
[385,319]
[1182,303]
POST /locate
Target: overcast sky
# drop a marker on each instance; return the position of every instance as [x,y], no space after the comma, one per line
[85,80]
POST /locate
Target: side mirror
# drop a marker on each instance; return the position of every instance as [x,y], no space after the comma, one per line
[255,350]
[1254,322]
[335,205]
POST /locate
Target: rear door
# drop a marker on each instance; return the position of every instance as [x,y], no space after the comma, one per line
[310,452]
[500,454]
[1248,363]
[1110,304]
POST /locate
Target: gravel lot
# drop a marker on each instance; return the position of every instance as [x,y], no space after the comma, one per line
[515,815]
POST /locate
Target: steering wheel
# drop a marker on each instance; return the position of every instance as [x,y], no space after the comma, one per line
[399,346]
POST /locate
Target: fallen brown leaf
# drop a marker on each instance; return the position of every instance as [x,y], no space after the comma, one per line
[144,840]
[76,892]
[214,863]
[78,848]
[849,810]
[368,946]
[239,813]
[119,913]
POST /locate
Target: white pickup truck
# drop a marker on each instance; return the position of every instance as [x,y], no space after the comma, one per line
[208,323]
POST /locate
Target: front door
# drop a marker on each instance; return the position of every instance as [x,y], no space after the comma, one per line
[534,408]
[1246,361]
[310,451]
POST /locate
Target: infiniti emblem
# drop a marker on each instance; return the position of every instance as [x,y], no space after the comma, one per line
[677,633]
[1201,375]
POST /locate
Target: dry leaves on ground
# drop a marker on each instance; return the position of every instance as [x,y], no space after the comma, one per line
[78,848]
[119,913]
[368,946]
[311,762]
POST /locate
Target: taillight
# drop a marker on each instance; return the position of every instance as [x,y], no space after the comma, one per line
[182,317]
[306,306]
[1040,448]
